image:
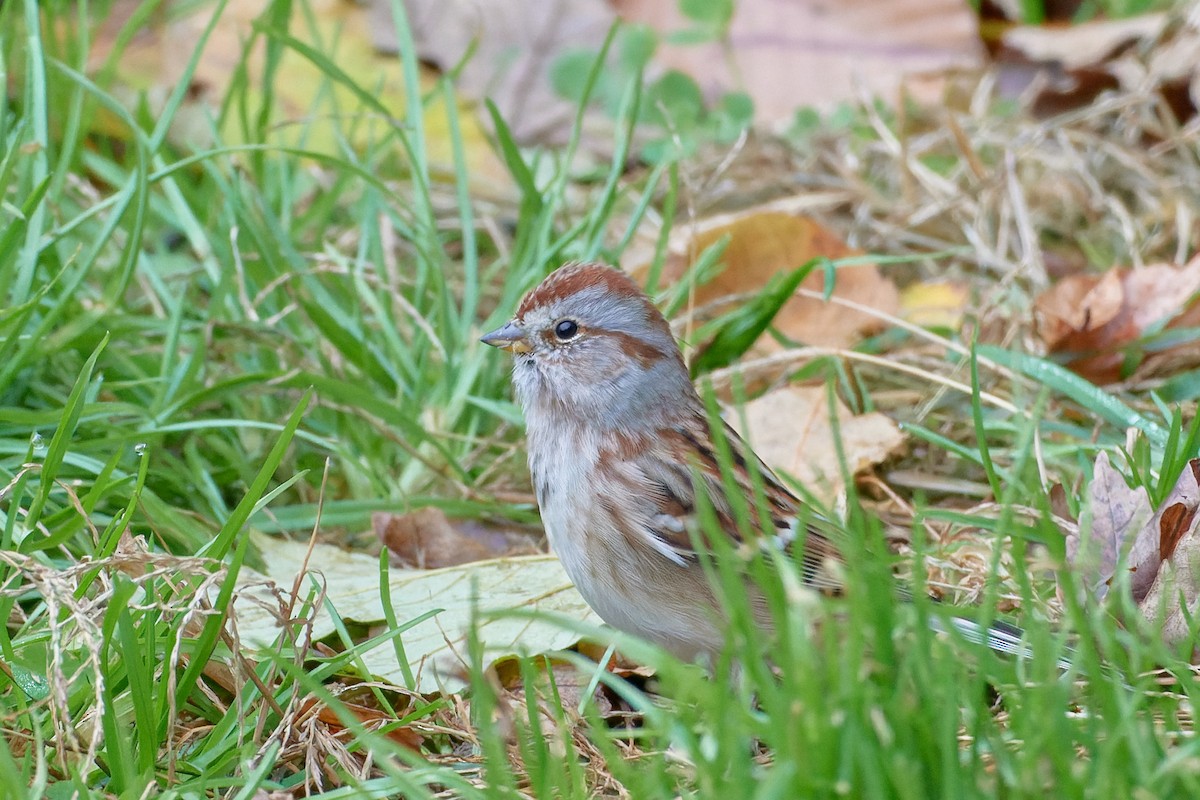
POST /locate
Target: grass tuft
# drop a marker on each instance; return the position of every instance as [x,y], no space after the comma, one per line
[276,330]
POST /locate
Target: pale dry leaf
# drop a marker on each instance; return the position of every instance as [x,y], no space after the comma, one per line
[1067,66]
[1158,292]
[1113,510]
[309,107]
[791,431]
[434,647]
[1165,561]
[786,55]
[1158,547]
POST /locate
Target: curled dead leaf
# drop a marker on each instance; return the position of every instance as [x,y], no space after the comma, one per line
[1089,319]
[765,242]
[428,539]
[372,718]
[1174,598]
[1161,548]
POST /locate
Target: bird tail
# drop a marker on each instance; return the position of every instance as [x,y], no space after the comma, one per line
[999,636]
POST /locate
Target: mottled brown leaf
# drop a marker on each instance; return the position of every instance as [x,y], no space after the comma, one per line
[1174,524]
[1059,68]
[428,539]
[1173,600]
[765,242]
[1146,553]
[1090,319]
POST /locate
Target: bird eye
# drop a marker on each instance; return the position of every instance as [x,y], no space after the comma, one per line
[566,329]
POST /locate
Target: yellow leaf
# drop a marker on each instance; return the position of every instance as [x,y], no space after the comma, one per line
[934,305]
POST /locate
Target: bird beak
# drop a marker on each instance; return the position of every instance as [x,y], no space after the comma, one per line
[508,337]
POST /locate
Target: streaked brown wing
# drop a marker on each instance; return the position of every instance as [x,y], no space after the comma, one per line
[682,458]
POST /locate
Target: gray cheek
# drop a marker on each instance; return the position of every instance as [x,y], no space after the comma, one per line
[600,388]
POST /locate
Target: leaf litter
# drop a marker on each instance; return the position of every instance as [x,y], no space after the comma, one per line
[1152,553]
[1091,320]
[1014,215]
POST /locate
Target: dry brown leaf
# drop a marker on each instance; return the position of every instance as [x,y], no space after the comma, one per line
[1066,66]
[1090,318]
[790,430]
[821,53]
[428,539]
[764,243]
[570,684]
[1123,524]
[372,718]
[1077,307]
[1078,45]
[1155,541]
[1167,586]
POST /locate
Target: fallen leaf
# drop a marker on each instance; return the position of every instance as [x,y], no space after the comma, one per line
[830,52]
[1114,511]
[502,50]
[790,430]
[1149,547]
[1176,521]
[435,648]
[1082,44]
[1172,601]
[1077,307]
[1160,548]
[372,718]
[1089,319]
[1124,525]
[427,539]
[764,243]
[1067,66]
[934,304]
[570,684]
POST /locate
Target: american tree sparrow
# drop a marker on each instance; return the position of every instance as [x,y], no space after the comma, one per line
[619,443]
